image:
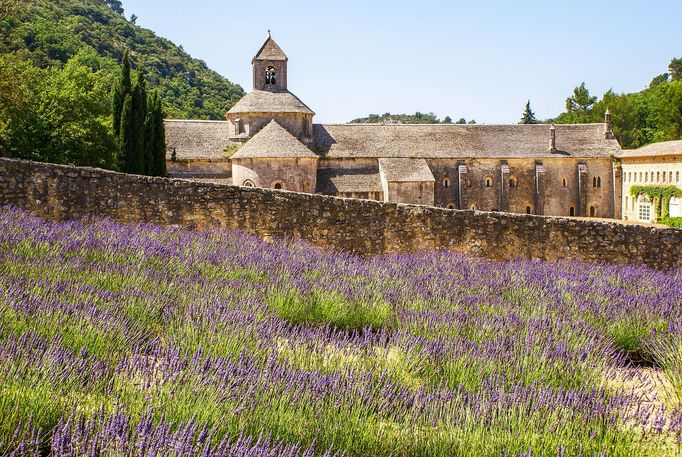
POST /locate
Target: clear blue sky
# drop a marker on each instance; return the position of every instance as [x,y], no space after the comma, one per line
[476,59]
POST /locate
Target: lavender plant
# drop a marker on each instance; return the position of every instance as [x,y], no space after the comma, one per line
[135,339]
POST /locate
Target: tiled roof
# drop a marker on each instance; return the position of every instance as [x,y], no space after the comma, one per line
[265,101]
[270,51]
[337,180]
[405,170]
[665,148]
[273,141]
[196,139]
[461,141]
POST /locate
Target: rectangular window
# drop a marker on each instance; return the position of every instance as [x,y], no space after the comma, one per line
[644,211]
[658,177]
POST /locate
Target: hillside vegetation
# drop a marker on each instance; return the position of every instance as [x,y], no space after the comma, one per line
[140,340]
[50,32]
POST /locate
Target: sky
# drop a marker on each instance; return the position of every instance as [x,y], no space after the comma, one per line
[479,60]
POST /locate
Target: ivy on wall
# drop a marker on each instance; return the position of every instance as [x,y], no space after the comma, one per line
[659,196]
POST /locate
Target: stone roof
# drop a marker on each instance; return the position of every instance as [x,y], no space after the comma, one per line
[461,141]
[196,139]
[270,51]
[265,101]
[405,170]
[338,180]
[665,148]
[273,141]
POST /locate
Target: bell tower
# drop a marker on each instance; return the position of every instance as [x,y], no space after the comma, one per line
[270,67]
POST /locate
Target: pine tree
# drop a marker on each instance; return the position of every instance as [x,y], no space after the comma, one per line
[528,115]
[122,89]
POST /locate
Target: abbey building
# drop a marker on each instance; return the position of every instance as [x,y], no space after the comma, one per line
[269,139]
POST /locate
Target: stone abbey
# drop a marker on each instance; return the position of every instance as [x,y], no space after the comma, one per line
[269,139]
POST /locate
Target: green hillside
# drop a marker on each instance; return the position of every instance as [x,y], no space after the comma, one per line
[50,32]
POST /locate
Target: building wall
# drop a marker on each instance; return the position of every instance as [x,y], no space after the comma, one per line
[363,227]
[410,192]
[647,171]
[259,67]
[297,174]
[199,168]
[561,192]
[299,125]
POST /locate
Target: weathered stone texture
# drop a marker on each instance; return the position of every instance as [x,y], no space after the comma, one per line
[360,226]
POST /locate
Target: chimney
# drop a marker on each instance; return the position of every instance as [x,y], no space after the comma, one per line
[552,139]
[608,134]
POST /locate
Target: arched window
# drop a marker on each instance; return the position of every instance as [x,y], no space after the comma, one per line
[677,176]
[270,76]
[658,177]
[248,183]
[564,182]
[644,209]
[277,185]
[528,210]
[665,177]
[598,181]
[488,181]
[451,206]
[626,203]
[306,186]
[594,182]
[513,182]
[446,182]
[473,207]
[571,211]
[593,211]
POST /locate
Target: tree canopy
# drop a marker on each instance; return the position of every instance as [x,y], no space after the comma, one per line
[48,33]
[416,118]
[528,115]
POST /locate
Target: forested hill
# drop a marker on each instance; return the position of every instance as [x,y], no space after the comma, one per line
[49,32]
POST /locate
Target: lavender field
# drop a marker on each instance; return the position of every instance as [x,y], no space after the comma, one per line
[140,340]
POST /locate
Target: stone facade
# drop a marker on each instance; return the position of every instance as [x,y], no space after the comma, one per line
[565,170]
[658,164]
[59,192]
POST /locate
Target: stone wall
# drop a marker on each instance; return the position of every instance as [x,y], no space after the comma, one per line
[360,226]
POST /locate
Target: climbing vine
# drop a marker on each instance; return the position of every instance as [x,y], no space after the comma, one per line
[659,196]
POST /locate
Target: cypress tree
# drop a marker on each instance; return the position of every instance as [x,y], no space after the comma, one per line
[528,115]
[156,136]
[126,139]
[139,114]
[121,90]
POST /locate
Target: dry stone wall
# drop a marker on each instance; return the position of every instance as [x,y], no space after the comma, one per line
[363,227]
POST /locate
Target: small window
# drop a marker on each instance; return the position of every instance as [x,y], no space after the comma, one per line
[473,207]
[528,210]
[451,206]
[640,177]
[658,176]
[598,181]
[626,203]
[665,177]
[571,211]
[488,181]
[270,76]
[594,182]
[593,211]
[306,186]
[513,182]
[446,182]
[677,176]
[646,177]
[564,182]
[248,183]
[644,209]
[652,176]
[277,185]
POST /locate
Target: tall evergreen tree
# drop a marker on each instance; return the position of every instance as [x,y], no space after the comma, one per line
[122,89]
[528,115]
[127,137]
[142,157]
[158,134]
